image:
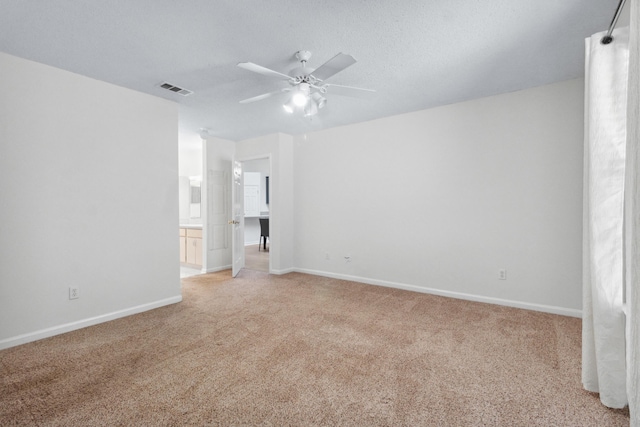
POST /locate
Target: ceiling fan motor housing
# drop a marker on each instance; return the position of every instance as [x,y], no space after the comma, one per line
[303,55]
[301,73]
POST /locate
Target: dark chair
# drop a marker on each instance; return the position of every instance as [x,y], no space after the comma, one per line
[264,232]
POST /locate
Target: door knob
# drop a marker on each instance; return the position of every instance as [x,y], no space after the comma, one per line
[234,222]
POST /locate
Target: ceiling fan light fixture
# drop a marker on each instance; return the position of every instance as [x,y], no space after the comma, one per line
[319,100]
[311,109]
[299,99]
[301,96]
[289,106]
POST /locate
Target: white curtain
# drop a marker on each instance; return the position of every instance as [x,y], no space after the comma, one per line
[603,320]
[611,222]
[632,218]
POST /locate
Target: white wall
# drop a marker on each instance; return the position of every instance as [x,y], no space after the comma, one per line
[279,148]
[252,231]
[89,190]
[440,200]
[190,161]
[184,200]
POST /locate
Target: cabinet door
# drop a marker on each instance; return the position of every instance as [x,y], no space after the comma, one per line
[194,251]
[194,233]
[183,249]
[198,245]
[183,245]
[251,200]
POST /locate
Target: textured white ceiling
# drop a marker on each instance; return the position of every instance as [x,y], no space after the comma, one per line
[417,54]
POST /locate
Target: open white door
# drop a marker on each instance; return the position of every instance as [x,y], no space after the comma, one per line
[217,214]
[237,222]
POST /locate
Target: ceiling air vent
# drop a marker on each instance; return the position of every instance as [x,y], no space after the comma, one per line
[176,89]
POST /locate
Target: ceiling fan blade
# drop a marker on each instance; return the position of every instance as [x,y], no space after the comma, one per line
[256,98]
[263,70]
[333,66]
[349,90]
[264,96]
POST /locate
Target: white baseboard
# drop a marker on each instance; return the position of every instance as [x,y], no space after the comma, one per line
[213,270]
[285,271]
[459,295]
[68,327]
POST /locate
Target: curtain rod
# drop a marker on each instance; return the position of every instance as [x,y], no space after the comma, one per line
[608,38]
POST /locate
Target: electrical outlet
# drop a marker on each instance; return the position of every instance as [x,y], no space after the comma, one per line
[327,256]
[74,293]
[502,274]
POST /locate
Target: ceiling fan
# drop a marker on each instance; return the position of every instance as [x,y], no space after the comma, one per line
[307,85]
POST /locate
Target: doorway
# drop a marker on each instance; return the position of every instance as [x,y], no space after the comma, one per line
[256,173]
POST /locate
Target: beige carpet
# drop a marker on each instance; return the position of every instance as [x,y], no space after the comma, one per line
[301,350]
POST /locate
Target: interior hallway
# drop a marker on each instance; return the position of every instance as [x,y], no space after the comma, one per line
[255,259]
